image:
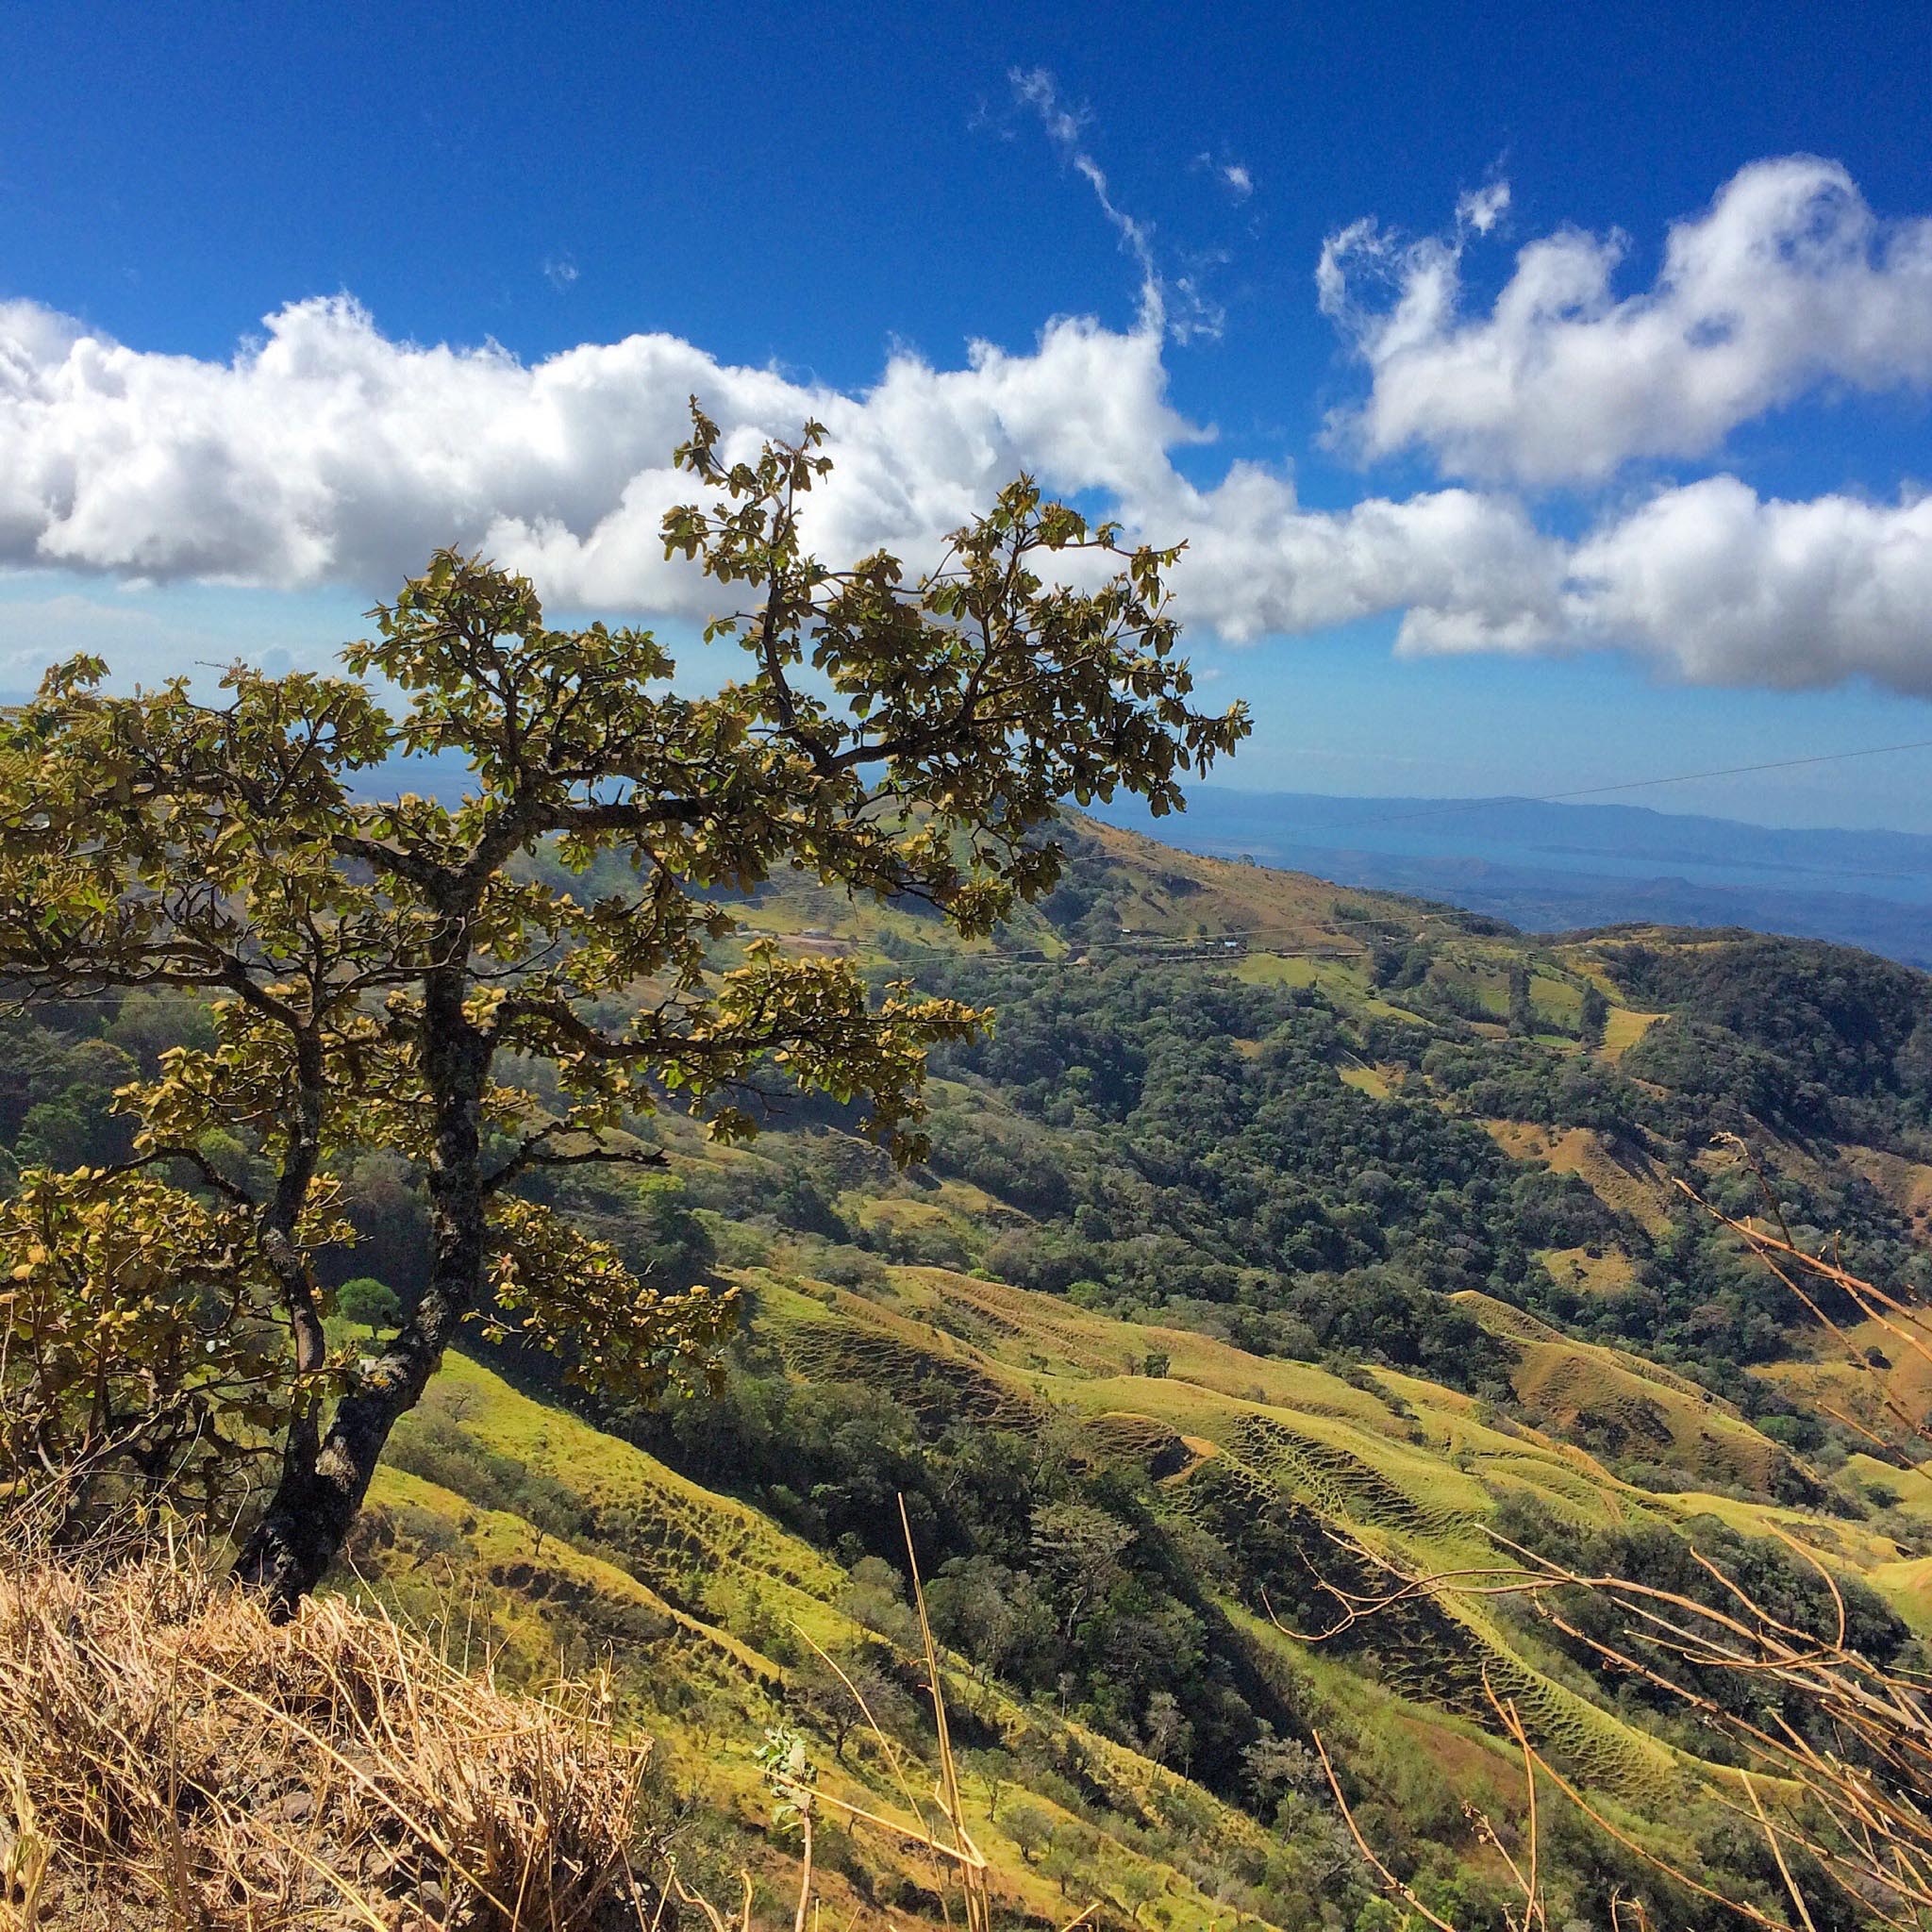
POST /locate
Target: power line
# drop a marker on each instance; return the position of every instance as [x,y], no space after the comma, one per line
[1198,946]
[1829,758]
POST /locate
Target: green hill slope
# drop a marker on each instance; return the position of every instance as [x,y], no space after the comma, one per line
[1276,1231]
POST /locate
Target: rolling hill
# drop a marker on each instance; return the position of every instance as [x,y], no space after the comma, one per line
[1277,1232]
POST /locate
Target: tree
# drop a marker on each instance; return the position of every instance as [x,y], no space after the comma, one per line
[379,964]
[972,1601]
[1079,1549]
[372,1303]
[1273,1766]
[1521,1008]
[1594,1016]
[1169,1735]
[1134,1888]
[116,1395]
[1063,1865]
[994,1770]
[874,1599]
[1030,1825]
[856,1689]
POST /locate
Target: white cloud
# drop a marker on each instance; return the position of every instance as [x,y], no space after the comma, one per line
[1786,282]
[1715,584]
[1467,571]
[328,453]
[325,452]
[1034,87]
[1481,209]
[1729,589]
[1235,177]
[1037,88]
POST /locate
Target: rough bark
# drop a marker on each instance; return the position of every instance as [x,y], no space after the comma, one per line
[324,1481]
[326,1475]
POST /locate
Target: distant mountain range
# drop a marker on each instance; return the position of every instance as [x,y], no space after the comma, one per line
[1546,868]
[1552,868]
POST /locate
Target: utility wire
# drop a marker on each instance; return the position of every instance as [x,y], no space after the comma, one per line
[1138,943]
[1461,805]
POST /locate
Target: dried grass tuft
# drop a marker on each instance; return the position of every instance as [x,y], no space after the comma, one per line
[169,1758]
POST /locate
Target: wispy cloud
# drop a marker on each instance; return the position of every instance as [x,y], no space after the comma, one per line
[1037,88]
[1179,307]
[560,270]
[1232,177]
[1034,87]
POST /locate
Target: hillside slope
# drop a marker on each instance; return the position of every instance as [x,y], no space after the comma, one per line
[1276,1232]
[1274,1224]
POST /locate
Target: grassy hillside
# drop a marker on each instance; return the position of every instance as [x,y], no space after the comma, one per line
[1275,1232]
[714,1620]
[710,1611]
[551,1539]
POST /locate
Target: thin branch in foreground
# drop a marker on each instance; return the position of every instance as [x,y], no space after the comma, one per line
[1390,1882]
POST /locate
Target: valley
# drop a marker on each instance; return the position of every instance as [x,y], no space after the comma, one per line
[1238,1271]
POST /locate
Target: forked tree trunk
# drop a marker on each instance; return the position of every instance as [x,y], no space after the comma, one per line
[326,1474]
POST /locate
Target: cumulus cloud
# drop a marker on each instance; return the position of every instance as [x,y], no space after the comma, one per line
[1467,571]
[1786,282]
[327,453]
[1730,588]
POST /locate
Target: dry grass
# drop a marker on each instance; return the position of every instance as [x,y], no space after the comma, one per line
[168,1758]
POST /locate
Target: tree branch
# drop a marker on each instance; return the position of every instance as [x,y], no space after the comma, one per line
[535,1153]
[229,1189]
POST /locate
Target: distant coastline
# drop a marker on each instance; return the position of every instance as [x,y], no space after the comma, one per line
[1551,868]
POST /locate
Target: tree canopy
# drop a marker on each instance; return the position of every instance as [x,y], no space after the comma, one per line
[390,971]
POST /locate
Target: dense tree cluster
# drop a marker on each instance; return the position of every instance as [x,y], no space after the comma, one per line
[1779,1581]
[1057,1577]
[1796,1031]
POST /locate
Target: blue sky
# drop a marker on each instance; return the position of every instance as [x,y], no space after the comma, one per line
[1503,512]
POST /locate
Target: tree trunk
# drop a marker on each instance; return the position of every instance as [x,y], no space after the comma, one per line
[326,1475]
[324,1481]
